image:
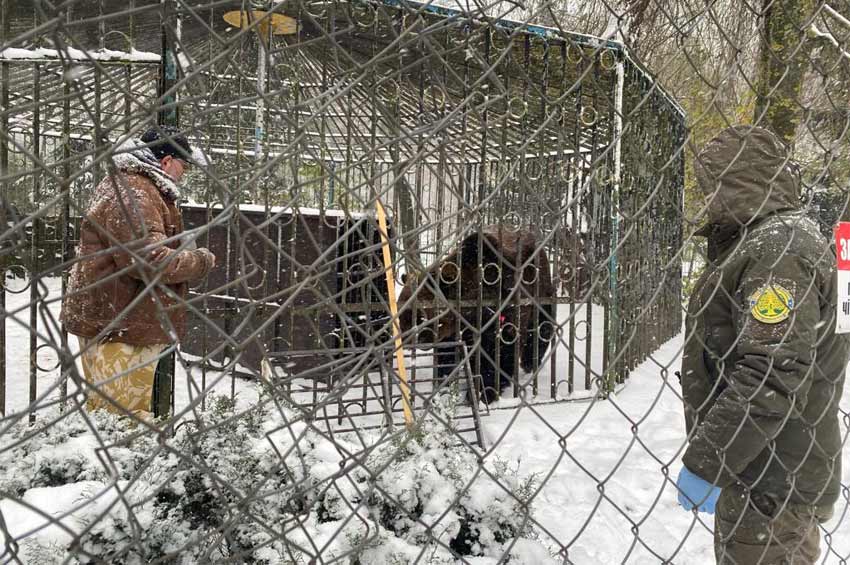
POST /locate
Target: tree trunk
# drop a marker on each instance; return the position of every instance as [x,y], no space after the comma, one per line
[782,65]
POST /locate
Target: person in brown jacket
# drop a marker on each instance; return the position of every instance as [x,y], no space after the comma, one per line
[126,290]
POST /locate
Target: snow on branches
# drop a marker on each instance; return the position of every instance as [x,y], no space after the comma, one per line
[260,486]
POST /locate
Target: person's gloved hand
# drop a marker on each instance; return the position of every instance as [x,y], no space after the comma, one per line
[208,258]
[694,490]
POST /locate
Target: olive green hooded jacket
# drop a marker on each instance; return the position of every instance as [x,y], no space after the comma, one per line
[763,369]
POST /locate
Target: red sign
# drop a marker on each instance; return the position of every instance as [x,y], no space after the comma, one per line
[842,255]
[842,245]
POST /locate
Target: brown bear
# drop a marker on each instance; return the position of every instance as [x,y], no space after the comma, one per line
[508,270]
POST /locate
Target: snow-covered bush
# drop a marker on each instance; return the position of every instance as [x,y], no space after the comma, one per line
[262,487]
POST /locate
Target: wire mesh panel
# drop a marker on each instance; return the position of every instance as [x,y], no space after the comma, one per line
[439,146]
[379,281]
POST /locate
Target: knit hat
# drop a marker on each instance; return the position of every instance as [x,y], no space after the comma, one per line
[168,140]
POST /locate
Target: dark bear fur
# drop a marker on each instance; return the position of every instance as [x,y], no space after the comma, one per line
[487,267]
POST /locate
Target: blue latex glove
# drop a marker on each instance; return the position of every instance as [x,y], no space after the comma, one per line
[694,490]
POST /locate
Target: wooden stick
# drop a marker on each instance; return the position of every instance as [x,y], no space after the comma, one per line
[399,352]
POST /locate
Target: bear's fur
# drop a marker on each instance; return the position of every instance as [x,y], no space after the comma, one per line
[445,299]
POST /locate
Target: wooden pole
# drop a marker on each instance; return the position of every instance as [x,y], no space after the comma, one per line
[399,352]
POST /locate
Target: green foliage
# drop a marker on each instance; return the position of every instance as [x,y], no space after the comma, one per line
[251,486]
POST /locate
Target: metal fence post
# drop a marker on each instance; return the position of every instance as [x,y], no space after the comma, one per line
[614,330]
[168,115]
[4,192]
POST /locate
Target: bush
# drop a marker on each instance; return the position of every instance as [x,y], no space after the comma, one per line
[265,488]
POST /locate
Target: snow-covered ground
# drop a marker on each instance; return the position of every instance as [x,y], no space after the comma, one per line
[605,496]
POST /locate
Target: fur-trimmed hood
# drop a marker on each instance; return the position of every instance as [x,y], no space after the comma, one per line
[133,156]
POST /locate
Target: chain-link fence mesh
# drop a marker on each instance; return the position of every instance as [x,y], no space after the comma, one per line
[295,281]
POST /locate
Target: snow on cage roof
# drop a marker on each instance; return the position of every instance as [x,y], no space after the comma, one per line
[283,210]
[42,54]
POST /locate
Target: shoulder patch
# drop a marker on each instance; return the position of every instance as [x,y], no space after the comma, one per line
[771,304]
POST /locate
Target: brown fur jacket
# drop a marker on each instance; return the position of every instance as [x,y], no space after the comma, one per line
[129,281]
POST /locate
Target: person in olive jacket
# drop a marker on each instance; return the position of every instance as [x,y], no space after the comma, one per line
[763,369]
[126,291]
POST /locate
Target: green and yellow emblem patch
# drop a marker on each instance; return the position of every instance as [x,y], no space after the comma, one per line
[771,304]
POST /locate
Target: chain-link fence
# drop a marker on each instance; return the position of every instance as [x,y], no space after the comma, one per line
[400,282]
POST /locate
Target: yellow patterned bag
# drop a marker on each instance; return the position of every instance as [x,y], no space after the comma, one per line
[122,372]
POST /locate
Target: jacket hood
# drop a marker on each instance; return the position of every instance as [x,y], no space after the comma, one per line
[745,173]
[133,156]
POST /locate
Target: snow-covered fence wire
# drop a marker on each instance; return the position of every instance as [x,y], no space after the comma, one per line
[453,242]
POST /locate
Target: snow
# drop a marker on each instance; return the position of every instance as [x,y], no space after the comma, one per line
[835,14]
[57,513]
[829,37]
[79,55]
[611,472]
[189,379]
[329,212]
[604,468]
